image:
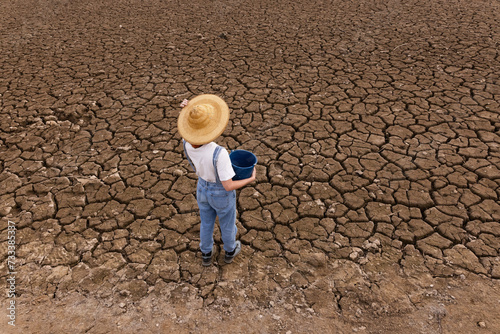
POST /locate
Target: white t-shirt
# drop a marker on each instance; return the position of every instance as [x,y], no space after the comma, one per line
[202,158]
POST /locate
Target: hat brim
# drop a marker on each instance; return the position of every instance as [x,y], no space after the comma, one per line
[215,127]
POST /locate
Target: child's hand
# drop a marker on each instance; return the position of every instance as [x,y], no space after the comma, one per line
[184,103]
[254,173]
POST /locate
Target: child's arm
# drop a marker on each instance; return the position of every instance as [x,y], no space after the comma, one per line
[233,185]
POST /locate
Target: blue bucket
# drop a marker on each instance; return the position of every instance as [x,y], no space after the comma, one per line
[243,163]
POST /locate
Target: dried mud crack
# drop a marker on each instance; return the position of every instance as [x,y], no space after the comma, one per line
[376,125]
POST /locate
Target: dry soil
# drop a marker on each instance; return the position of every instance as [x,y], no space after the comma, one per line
[377,128]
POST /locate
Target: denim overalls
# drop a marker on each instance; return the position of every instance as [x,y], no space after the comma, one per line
[213,200]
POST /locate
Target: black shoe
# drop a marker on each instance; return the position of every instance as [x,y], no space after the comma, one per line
[206,258]
[229,256]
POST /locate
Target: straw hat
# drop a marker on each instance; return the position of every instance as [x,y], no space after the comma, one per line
[203,119]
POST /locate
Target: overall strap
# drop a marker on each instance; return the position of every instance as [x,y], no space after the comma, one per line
[216,157]
[187,156]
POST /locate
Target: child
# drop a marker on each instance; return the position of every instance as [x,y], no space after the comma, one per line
[200,122]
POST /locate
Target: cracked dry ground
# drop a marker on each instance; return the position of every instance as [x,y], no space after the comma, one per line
[376,124]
